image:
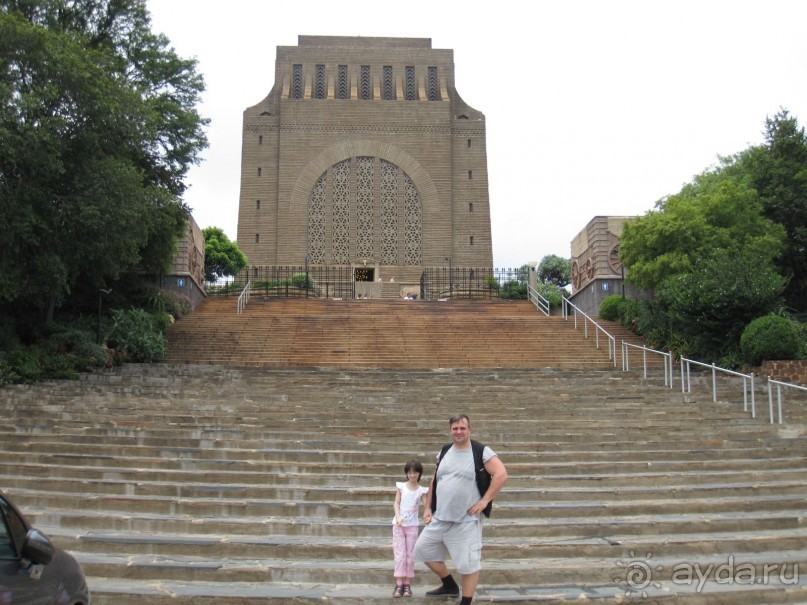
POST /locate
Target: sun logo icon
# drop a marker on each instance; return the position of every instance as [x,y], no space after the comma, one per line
[638,574]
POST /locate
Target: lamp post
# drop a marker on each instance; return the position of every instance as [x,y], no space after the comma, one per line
[101,292]
[307,260]
[450,279]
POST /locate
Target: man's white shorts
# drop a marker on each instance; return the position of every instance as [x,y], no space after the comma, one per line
[461,542]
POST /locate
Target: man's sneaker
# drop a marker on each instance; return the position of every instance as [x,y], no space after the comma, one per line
[453,591]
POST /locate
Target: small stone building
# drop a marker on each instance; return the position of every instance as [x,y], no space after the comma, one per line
[597,271]
[187,273]
[364,156]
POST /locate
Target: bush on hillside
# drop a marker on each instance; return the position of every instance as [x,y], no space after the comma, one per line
[138,335]
[610,308]
[769,337]
[513,290]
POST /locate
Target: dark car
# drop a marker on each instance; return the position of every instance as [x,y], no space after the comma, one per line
[32,570]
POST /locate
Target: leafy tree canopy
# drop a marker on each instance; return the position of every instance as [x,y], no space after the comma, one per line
[707,308]
[555,270]
[778,171]
[714,212]
[98,128]
[222,256]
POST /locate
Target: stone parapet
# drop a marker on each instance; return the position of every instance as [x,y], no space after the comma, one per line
[792,370]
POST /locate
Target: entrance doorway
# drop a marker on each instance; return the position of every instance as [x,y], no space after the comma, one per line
[364,274]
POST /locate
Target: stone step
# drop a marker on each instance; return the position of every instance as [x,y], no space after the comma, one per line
[305,489]
[313,524]
[350,509]
[128,592]
[245,485]
[507,571]
[378,547]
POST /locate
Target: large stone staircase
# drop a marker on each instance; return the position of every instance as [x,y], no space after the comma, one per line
[178,484]
[384,334]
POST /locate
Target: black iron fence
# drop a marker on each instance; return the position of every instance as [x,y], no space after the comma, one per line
[473,283]
[291,281]
[315,281]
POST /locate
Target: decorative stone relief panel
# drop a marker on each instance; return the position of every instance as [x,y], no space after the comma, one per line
[341,213]
[389,213]
[412,223]
[365,182]
[316,222]
[367,221]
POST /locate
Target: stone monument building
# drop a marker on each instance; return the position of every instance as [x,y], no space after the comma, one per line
[597,271]
[364,155]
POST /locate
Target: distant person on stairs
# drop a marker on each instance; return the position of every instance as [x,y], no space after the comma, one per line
[409,495]
[467,478]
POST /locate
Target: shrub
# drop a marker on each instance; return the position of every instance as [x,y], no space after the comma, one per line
[611,308]
[550,292]
[137,335]
[769,337]
[58,366]
[299,280]
[166,301]
[513,289]
[90,355]
[629,312]
[7,373]
[25,364]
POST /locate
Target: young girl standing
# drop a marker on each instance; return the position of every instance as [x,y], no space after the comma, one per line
[408,497]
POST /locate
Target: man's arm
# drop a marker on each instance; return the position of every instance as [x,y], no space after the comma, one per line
[427,503]
[498,477]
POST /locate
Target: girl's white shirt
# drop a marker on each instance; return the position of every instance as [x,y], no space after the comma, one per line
[410,503]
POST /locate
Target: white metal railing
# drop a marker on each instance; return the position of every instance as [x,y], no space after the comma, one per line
[686,382]
[667,359]
[541,303]
[243,298]
[597,328]
[779,386]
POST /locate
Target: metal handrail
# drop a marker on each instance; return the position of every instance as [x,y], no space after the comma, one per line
[779,386]
[541,303]
[667,358]
[243,298]
[597,328]
[686,382]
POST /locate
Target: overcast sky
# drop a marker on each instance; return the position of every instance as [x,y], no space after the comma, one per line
[592,107]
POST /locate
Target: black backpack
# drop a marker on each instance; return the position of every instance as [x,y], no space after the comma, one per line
[482,475]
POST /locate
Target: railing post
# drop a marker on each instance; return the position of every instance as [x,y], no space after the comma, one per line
[671,369]
[745,394]
[714,383]
[753,398]
[779,400]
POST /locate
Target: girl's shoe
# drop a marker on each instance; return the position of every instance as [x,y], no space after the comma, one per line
[407,591]
[398,592]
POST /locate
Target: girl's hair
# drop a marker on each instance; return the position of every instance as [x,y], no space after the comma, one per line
[413,465]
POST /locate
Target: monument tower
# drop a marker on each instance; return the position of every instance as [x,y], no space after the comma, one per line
[363,155]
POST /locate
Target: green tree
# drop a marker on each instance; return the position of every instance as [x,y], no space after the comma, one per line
[555,270]
[778,171]
[714,212]
[222,256]
[98,128]
[707,308]
[709,252]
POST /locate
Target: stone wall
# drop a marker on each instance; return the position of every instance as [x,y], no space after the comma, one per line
[794,371]
[187,273]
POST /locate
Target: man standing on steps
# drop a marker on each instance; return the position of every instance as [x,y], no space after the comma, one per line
[466,480]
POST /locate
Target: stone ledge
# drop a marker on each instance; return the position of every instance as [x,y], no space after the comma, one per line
[793,370]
